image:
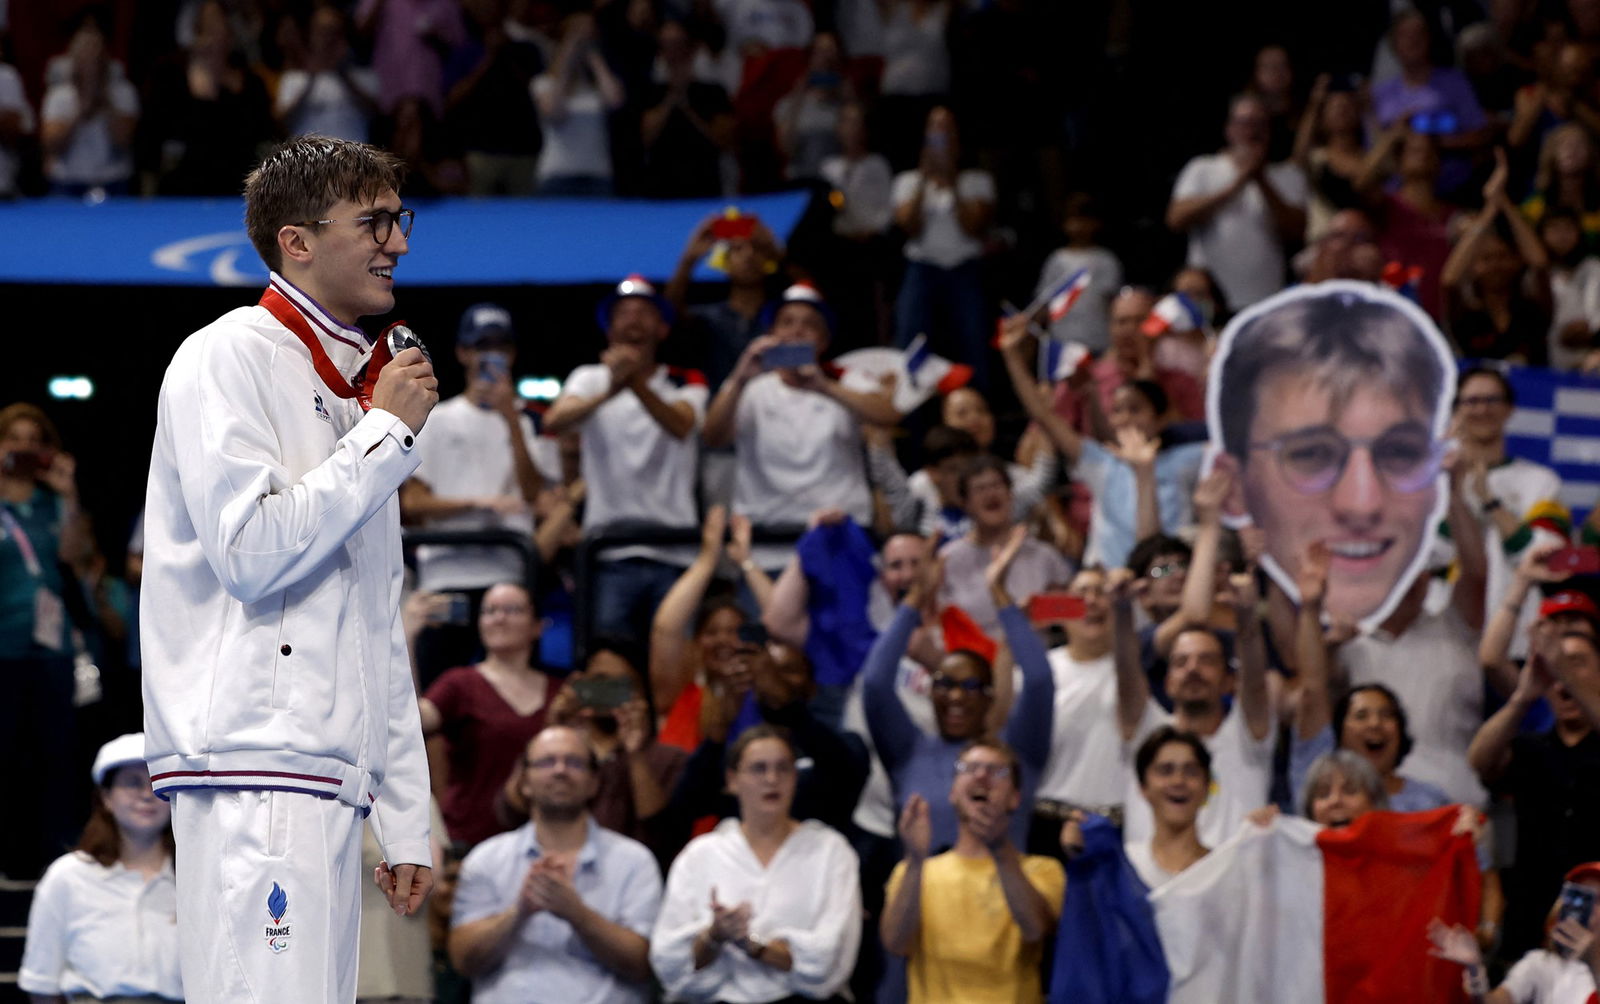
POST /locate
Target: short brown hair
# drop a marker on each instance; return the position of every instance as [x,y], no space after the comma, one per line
[300,179]
[990,743]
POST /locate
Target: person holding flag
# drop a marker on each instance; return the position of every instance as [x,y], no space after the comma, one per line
[1140,486]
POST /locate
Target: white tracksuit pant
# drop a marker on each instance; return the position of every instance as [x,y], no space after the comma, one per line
[269,896]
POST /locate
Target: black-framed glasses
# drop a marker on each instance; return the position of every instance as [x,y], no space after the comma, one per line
[381,223]
[1312,460]
[1167,568]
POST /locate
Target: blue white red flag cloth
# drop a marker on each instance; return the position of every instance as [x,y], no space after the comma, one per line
[1059,360]
[1176,313]
[1065,296]
[918,372]
[1286,912]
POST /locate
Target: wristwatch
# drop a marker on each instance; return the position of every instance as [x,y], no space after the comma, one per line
[1490,506]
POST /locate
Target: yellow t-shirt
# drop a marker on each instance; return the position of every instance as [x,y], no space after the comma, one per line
[968,948]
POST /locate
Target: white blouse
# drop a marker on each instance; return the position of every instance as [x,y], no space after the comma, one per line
[808,895]
[104,932]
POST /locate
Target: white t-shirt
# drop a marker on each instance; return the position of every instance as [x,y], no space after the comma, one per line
[1241,778]
[865,185]
[1143,858]
[578,144]
[797,451]
[1087,321]
[14,99]
[1433,669]
[634,469]
[1239,244]
[1575,295]
[1542,977]
[90,158]
[777,24]
[942,242]
[1088,761]
[467,454]
[916,59]
[102,932]
[331,109]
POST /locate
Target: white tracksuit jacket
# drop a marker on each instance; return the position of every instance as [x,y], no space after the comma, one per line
[270,606]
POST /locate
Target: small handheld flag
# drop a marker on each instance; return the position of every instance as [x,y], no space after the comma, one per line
[1175,313]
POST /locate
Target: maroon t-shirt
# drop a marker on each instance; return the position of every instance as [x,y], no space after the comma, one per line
[484,736]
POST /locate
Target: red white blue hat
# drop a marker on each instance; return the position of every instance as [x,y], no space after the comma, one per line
[801,292]
[634,285]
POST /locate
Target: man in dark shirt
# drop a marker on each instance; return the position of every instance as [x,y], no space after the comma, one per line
[721,330]
[1553,777]
[686,127]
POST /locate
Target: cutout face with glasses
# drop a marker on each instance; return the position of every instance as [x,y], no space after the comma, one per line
[1329,405]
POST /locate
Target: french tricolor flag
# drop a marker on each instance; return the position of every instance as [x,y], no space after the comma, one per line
[1059,360]
[1286,912]
[1065,296]
[1174,313]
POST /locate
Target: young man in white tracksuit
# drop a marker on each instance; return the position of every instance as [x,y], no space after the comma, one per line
[279,708]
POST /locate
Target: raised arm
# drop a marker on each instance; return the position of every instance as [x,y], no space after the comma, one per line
[892,730]
[1013,342]
[1255,696]
[740,552]
[669,631]
[1133,690]
[1494,646]
[1490,751]
[1314,709]
[1472,559]
[721,417]
[1200,585]
[699,245]
[902,914]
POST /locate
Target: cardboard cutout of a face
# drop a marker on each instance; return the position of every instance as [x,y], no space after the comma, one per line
[1330,404]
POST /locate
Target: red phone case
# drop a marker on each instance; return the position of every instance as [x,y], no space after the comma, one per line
[725,229]
[1577,560]
[1052,608]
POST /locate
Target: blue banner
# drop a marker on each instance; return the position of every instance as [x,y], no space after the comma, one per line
[455,242]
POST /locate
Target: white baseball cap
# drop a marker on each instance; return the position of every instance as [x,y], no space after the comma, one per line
[119,752]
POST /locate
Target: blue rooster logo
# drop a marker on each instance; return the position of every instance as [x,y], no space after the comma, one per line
[277,903]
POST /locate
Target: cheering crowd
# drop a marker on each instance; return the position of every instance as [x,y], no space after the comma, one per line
[870,625]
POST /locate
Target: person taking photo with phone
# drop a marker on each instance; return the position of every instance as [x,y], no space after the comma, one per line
[795,422]
[477,718]
[1567,969]
[482,469]
[635,775]
[39,521]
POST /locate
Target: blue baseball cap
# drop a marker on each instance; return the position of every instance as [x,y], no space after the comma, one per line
[485,323]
